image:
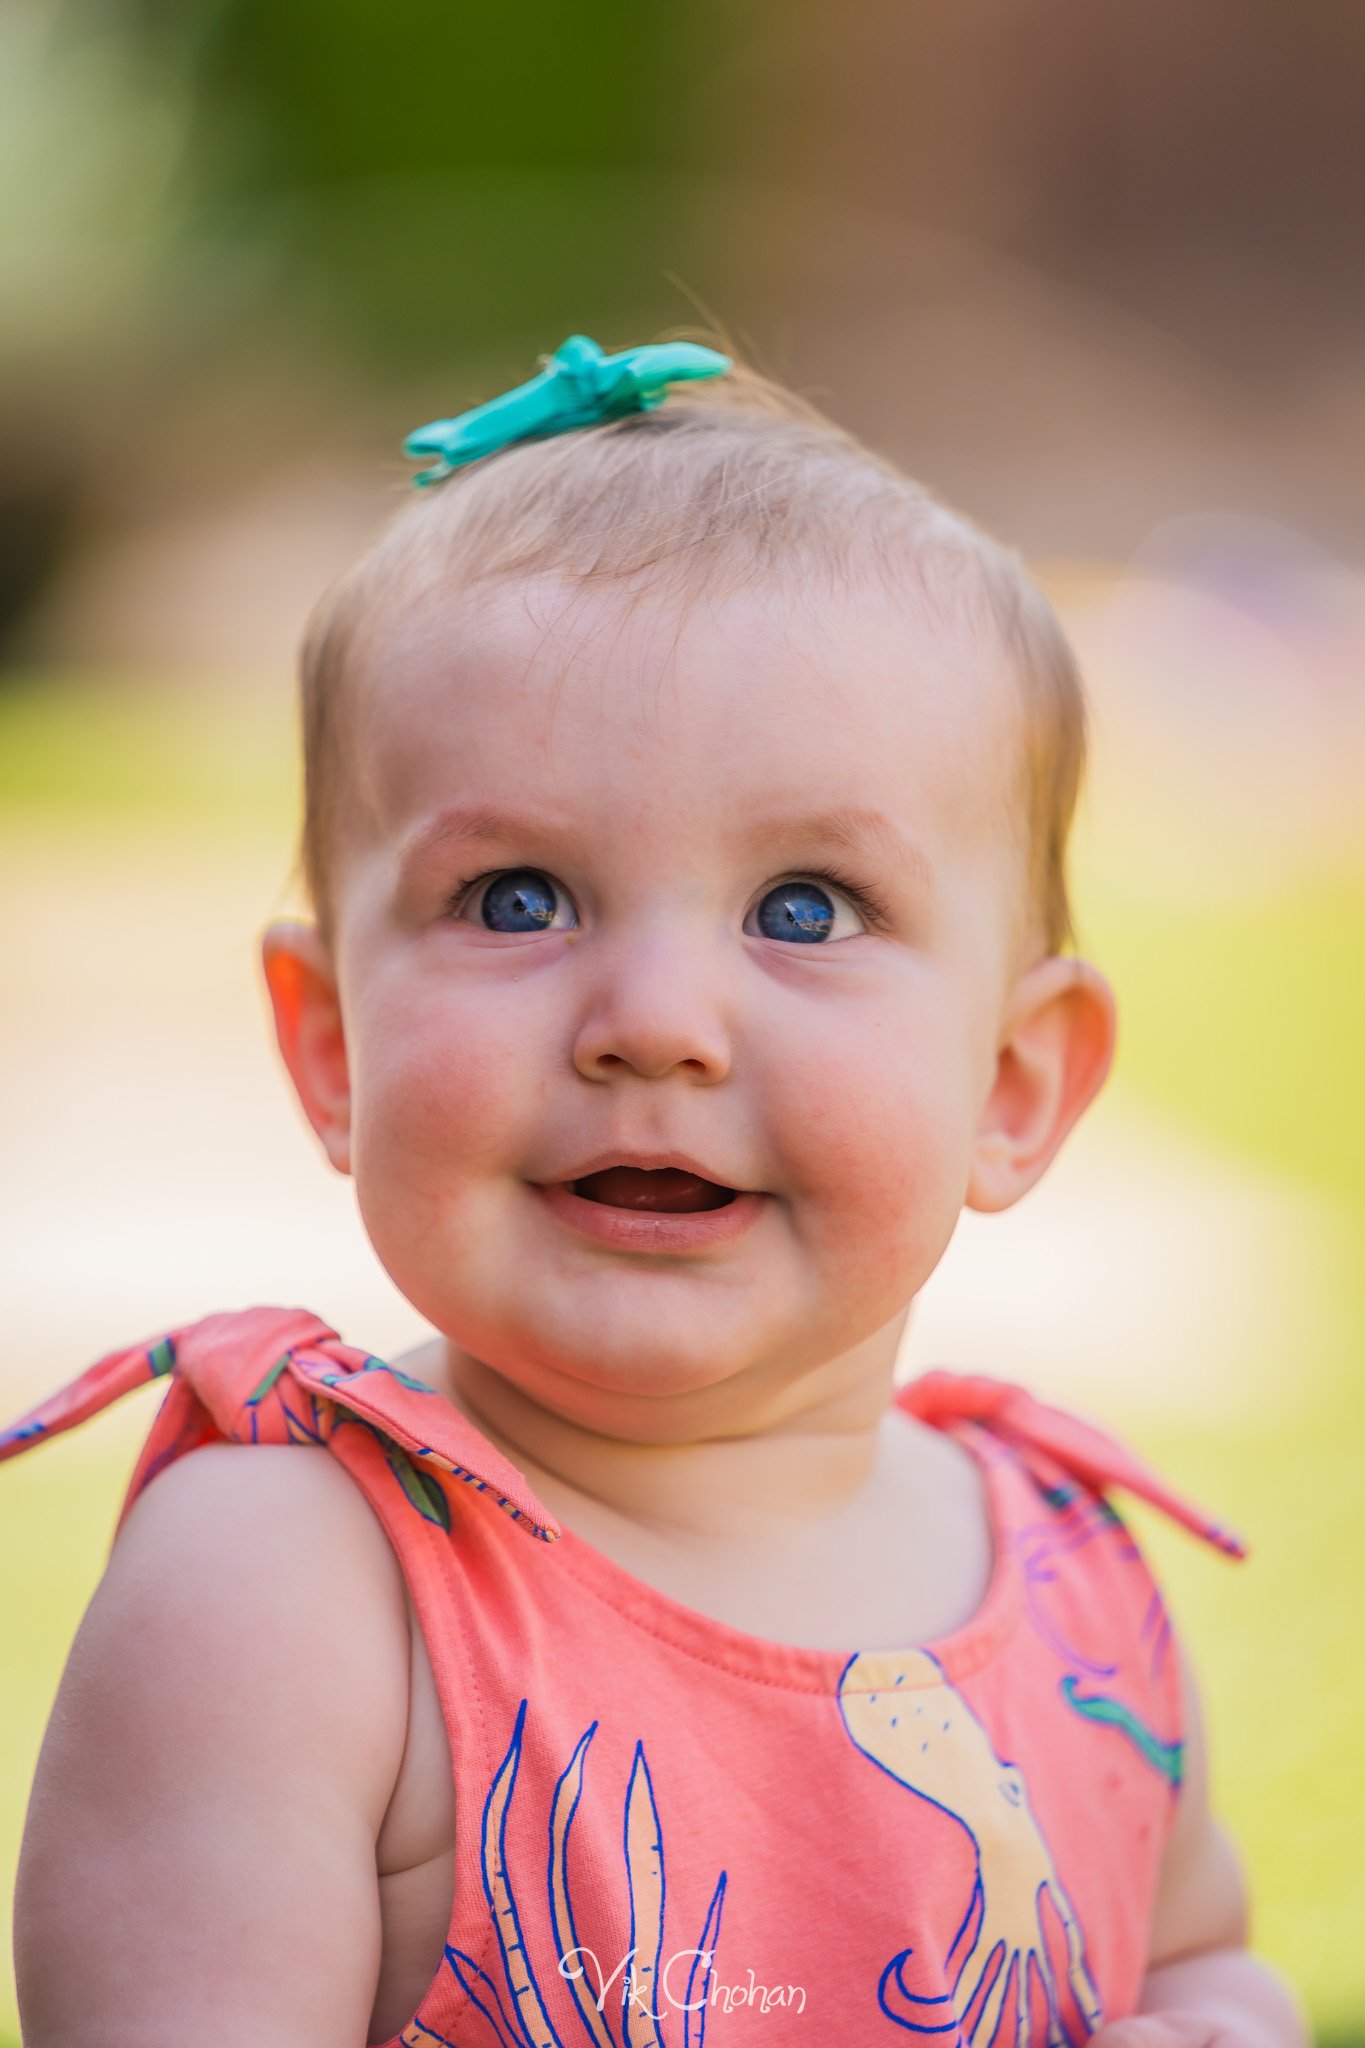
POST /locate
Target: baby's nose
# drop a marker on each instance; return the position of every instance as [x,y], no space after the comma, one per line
[655,1010]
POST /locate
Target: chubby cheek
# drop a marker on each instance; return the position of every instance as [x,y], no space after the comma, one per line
[443,1098]
[872,1127]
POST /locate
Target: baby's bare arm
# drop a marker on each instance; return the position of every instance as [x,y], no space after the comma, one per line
[199,1857]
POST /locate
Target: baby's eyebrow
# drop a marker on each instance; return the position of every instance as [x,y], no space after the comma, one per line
[459,823]
[850,829]
[846,828]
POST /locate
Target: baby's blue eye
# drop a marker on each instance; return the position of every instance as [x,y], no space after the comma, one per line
[805,913]
[524,901]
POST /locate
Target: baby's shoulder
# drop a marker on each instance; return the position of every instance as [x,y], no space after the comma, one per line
[253,1486]
[269,1560]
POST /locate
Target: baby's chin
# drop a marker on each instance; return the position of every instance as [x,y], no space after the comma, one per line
[652,1378]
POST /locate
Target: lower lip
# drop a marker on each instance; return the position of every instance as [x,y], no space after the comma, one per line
[652,1230]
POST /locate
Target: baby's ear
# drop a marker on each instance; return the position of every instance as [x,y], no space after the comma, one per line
[302,985]
[1056,1047]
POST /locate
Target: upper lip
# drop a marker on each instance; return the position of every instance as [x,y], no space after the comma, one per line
[646,1162]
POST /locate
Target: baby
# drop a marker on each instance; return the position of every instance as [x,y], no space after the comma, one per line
[687,798]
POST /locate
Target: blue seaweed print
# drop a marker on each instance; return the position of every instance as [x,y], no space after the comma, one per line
[522,2018]
[1079,1520]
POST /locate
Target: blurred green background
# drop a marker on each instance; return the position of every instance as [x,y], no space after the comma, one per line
[1093,273]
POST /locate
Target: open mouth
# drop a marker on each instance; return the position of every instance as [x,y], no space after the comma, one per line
[663,1212]
[657,1191]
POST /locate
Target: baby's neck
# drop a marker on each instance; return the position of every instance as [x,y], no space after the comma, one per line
[782,1464]
[829,1518]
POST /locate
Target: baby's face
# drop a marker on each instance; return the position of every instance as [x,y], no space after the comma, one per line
[672,946]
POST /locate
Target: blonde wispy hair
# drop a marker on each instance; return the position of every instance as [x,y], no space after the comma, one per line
[725,484]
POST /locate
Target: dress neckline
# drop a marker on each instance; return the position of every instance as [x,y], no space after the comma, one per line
[799,1667]
[793,1666]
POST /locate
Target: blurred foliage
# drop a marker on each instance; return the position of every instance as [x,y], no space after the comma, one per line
[92,134]
[427,181]
[243,192]
[423,90]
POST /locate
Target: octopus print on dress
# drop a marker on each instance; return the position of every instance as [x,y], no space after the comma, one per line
[921,1731]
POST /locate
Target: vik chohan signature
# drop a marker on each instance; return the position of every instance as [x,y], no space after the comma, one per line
[763,1997]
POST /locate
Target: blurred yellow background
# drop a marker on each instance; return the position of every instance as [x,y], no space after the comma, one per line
[1092,273]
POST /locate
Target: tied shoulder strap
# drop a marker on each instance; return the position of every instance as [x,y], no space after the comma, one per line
[276,1375]
[1082,1449]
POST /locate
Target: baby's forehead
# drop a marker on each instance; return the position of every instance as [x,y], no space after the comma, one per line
[857,691]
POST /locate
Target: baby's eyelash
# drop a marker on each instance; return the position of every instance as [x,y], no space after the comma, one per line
[457,895]
[868,899]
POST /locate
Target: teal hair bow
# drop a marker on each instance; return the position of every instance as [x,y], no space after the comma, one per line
[579,387]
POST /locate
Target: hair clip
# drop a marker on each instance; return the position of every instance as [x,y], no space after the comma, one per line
[578,387]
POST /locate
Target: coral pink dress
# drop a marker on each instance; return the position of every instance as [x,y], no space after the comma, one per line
[671,1833]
